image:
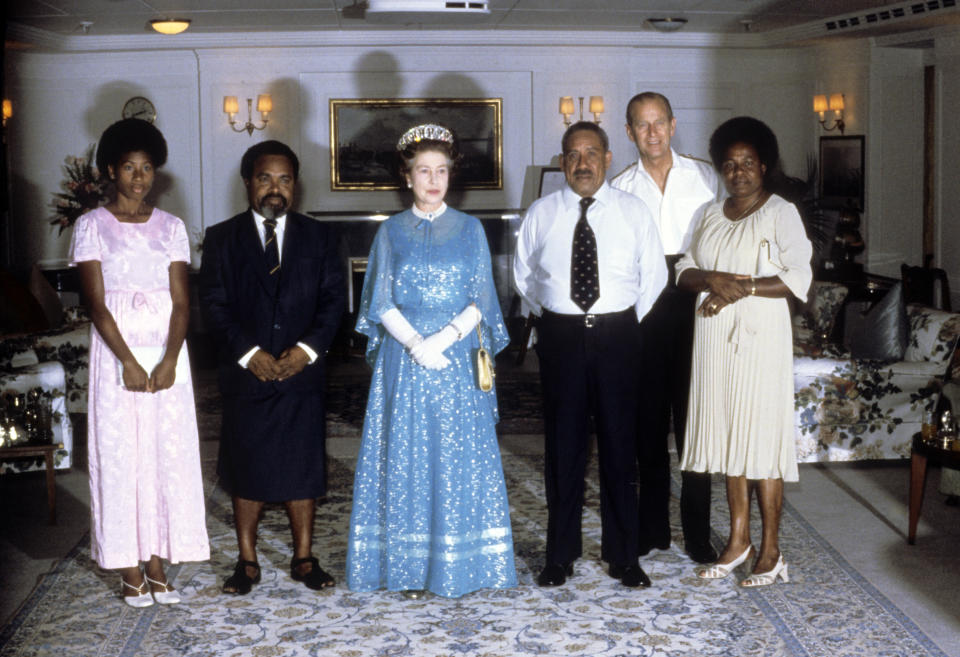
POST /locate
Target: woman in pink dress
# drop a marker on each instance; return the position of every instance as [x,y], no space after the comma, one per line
[146,491]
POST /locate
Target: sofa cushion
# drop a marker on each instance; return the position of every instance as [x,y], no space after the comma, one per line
[933,334]
[877,330]
[819,314]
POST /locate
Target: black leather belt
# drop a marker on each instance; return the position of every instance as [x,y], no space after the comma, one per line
[588,320]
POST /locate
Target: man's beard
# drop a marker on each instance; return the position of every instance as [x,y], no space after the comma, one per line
[271,210]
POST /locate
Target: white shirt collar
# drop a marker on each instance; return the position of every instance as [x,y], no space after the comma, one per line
[429,216]
[571,198]
[259,218]
[676,162]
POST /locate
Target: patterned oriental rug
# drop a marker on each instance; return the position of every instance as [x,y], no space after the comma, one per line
[827,609]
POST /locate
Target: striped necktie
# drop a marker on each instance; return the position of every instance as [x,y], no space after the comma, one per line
[584,270]
[271,253]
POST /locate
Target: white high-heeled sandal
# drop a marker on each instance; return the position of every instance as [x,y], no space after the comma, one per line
[141,599]
[168,596]
[769,577]
[721,570]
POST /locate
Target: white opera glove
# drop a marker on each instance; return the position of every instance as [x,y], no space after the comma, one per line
[466,321]
[398,326]
[428,357]
[429,353]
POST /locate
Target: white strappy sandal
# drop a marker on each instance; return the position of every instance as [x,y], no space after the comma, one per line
[769,577]
[141,599]
[721,570]
[168,596]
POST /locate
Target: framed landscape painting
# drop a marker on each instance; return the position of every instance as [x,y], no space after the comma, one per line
[364,135]
[841,172]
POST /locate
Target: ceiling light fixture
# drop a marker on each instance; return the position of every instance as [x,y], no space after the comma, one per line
[170,25]
[667,24]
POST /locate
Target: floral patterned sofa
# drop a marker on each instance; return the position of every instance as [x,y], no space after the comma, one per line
[851,409]
[55,361]
[69,345]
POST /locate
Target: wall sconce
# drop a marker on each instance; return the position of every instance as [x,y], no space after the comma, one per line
[7,110]
[264,106]
[566,108]
[835,104]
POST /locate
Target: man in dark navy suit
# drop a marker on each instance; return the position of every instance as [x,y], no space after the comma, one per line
[273,288]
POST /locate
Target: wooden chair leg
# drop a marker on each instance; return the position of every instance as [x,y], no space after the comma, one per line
[51,487]
[918,478]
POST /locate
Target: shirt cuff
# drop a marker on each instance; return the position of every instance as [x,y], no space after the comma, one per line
[311,354]
[247,356]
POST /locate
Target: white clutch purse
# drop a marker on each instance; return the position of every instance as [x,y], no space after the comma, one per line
[149,357]
[768,259]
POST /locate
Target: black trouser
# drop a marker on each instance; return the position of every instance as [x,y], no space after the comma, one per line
[590,371]
[666,352]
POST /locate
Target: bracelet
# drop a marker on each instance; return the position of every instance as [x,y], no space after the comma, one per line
[753,286]
[413,342]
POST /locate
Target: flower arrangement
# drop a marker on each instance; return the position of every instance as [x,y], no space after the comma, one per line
[83,190]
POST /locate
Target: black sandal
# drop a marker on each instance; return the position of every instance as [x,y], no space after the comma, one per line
[315,578]
[240,583]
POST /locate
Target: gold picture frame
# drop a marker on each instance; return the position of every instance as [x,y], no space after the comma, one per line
[364,135]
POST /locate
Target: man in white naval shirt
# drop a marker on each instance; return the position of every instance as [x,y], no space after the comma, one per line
[590,265]
[676,188]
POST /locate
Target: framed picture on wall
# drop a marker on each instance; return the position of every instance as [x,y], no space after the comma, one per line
[551,179]
[364,134]
[841,172]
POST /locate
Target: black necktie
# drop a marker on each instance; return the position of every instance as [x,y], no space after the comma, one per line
[271,253]
[584,271]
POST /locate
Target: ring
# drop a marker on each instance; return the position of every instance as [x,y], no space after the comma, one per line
[713,306]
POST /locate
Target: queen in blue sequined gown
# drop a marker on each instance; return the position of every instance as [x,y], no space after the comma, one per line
[430,505]
[429,500]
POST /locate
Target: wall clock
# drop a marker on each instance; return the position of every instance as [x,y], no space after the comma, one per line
[139,107]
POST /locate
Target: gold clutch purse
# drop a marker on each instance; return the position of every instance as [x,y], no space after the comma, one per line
[485,372]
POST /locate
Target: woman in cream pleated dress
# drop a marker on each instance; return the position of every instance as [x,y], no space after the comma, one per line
[748,254]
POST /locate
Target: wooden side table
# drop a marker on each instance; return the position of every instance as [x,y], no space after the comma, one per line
[46,451]
[919,457]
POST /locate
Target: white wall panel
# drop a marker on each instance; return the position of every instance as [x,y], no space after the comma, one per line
[64,101]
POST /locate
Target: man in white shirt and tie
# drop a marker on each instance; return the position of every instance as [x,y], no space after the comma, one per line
[589,263]
[676,188]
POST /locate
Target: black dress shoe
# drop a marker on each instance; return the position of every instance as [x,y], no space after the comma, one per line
[315,578]
[632,575]
[554,574]
[701,552]
[240,583]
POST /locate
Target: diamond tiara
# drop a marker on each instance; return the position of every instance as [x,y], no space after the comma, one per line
[425,131]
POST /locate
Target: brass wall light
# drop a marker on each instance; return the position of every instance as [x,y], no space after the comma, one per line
[821,105]
[264,105]
[566,108]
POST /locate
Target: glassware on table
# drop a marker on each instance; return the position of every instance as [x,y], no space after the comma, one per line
[928,426]
[948,430]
